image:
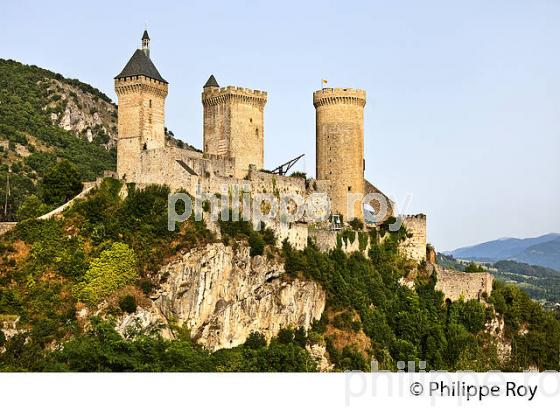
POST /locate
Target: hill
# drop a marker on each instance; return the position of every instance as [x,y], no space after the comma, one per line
[541,283]
[45,117]
[68,285]
[543,250]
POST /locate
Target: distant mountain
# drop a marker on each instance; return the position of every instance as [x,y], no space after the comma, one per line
[543,250]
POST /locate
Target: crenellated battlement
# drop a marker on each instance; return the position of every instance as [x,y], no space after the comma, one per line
[215,96]
[136,84]
[328,96]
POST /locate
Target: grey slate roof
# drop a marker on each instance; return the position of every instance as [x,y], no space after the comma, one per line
[140,64]
[145,36]
[211,82]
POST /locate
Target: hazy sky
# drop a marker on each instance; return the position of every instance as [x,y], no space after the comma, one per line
[463,110]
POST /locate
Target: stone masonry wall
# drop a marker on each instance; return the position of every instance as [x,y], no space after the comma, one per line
[327,240]
[6,227]
[234,125]
[415,246]
[456,285]
[141,121]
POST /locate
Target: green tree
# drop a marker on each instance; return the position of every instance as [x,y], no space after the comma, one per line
[474,267]
[32,207]
[61,183]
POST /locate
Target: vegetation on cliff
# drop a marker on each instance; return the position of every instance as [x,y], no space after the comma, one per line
[110,246]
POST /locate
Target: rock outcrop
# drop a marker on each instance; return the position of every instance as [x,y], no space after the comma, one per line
[83,113]
[222,294]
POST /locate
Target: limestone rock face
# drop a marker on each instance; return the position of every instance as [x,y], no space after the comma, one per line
[222,294]
[83,113]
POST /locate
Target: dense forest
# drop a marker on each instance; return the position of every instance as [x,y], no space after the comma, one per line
[109,248]
[30,143]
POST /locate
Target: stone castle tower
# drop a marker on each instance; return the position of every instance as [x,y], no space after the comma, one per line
[340,145]
[234,124]
[141,92]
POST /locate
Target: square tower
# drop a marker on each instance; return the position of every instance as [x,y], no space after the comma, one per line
[141,117]
[234,124]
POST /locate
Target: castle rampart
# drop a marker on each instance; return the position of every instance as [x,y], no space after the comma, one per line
[456,285]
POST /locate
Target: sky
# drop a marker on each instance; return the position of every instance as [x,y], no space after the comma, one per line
[462,120]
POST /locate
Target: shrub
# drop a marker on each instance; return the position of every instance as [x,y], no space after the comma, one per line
[128,304]
[32,207]
[255,340]
[473,268]
[356,224]
[114,268]
[256,242]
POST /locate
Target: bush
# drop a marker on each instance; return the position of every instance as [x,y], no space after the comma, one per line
[255,340]
[473,268]
[356,224]
[128,304]
[32,207]
[113,269]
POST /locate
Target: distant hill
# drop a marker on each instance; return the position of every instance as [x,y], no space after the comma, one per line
[540,283]
[45,117]
[543,250]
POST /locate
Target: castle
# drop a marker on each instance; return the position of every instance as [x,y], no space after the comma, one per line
[233,150]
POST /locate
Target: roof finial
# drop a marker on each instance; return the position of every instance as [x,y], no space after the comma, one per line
[146,41]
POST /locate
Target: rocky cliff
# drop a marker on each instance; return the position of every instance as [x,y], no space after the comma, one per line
[222,295]
[82,113]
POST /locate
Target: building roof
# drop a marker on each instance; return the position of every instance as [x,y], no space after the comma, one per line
[145,36]
[140,64]
[211,82]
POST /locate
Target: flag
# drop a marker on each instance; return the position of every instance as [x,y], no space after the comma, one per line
[323,83]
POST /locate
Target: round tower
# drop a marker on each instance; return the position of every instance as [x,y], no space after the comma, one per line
[340,147]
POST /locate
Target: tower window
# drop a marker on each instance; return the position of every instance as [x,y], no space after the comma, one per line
[349,188]
[150,103]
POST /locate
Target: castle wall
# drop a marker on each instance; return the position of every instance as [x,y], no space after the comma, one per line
[327,240]
[6,227]
[234,125]
[295,233]
[340,145]
[456,285]
[276,184]
[414,247]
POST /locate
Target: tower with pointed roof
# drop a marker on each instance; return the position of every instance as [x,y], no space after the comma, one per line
[141,92]
[234,124]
